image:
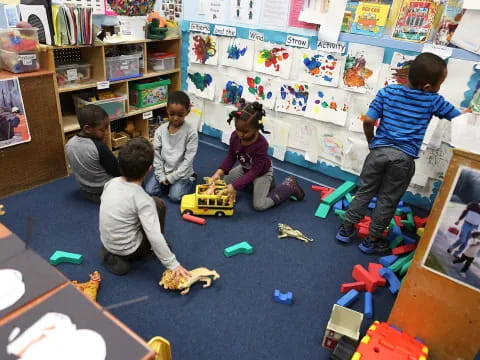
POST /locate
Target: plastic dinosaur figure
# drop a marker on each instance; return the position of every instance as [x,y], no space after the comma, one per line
[184,284]
[90,288]
[286,231]
[2,211]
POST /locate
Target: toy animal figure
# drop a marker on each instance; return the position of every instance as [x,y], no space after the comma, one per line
[89,288]
[184,284]
[2,211]
[287,231]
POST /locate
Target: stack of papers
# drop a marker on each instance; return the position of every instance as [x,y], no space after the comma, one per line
[73,25]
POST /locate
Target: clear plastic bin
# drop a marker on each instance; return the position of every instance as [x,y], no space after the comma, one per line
[19,40]
[123,67]
[20,62]
[114,107]
[73,73]
[161,61]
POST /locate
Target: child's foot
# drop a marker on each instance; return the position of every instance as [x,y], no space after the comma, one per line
[463,275]
[114,263]
[297,191]
[371,245]
[345,233]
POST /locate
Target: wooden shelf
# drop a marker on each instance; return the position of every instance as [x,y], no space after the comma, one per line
[134,110]
[87,85]
[70,123]
[109,44]
[147,75]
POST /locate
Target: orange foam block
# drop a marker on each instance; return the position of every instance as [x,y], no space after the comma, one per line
[404,249]
[194,219]
[359,286]
[359,273]
[373,269]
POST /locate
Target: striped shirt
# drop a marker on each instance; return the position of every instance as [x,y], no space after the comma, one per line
[405,114]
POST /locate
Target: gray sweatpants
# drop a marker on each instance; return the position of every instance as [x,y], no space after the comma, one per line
[261,187]
[386,174]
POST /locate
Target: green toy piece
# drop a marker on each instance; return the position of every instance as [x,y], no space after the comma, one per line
[340,213]
[349,197]
[322,210]
[59,257]
[396,242]
[339,193]
[154,31]
[398,265]
[240,248]
[405,267]
[409,222]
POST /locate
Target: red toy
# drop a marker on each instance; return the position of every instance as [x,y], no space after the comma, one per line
[453,230]
[373,269]
[194,219]
[404,249]
[398,220]
[420,222]
[359,286]
[324,191]
[359,273]
[382,341]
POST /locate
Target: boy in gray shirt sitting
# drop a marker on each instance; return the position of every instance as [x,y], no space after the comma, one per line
[131,221]
[91,161]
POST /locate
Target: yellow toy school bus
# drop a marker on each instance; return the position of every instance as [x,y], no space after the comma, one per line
[201,203]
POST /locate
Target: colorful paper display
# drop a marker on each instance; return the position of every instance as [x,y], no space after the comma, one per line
[203,49]
[327,104]
[261,88]
[317,67]
[201,81]
[415,20]
[273,59]
[292,97]
[236,52]
[399,66]
[370,19]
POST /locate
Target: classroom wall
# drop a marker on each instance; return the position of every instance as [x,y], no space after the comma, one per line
[433,161]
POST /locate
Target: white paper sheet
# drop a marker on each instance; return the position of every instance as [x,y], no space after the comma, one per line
[331,143]
[466,132]
[358,109]
[328,14]
[317,67]
[12,289]
[261,88]
[278,137]
[236,52]
[195,117]
[299,133]
[356,150]
[273,59]
[245,12]
[292,97]
[432,127]
[275,14]
[456,83]
[328,104]
[201,81]
[362,67]
[466,34]
[471,4]
[203,49]
[216,115]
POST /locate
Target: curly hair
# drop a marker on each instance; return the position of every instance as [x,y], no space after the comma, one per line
[251,112]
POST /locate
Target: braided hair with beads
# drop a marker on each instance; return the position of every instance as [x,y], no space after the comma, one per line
[251,112]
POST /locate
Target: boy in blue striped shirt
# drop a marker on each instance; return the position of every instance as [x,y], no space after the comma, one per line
[404,113]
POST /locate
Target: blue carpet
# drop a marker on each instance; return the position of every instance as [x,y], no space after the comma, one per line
[235,318]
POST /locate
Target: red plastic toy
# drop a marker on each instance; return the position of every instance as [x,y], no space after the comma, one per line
[404,249]
[194,219]
[359,286]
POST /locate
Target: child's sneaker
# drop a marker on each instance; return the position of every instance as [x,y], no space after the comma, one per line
[345,233]
[370,246]
[114,263]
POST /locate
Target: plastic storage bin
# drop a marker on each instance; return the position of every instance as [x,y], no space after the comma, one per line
[149,94]
[123,67]
[73,73]
[161,61]
[114,107]
[20,62]
[19,40]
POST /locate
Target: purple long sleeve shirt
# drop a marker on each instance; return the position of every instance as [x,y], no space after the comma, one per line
[253,158]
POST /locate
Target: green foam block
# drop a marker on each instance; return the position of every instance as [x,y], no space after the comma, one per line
[322,210]
[59,257]
[349,197]
[339,193]
[240,248]
[396,242]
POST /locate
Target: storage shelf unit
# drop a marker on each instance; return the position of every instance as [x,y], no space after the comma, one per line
[95,56]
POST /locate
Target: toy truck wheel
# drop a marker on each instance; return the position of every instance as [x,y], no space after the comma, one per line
[219,214]
[189,212]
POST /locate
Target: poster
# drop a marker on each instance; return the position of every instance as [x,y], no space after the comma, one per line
[236,52]
[327,104]
[349,16]
[317,67]
[203,49]
[292,97]
[295,9]
[455,245]
[415,20]
[13,120]
[362,68]
[261,88]
[273,59]
[399,66]
[201,81]
[370,19]
[245,11]
[172,10]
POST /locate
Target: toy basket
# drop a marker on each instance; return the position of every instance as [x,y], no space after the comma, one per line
[114,107]
[149,94]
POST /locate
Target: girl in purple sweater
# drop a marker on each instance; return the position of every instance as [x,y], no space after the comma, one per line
[249,148]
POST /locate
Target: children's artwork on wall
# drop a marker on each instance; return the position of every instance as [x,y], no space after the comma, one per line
[327,104]
[203,49]
[273,59]
[317,67]
[362,67]
[245,11]
[216,115]
[451,16]
[370,19]
[399,66]
[356,150]
[457,82]
[278,137]
[230,89]
[237,53]
[331,144]
[292,97]
[261,88]
[299,133]
[53,336]
[463,34]
[195,116]
[415,20]
[349,16]
[358,109]
[201,81]
[13,120]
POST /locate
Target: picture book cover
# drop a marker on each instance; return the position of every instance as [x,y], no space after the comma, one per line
[349,16]
[451,16]
[370,19]
[415,20]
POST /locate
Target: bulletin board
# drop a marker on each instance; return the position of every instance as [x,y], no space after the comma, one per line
[441,311]
[273,60]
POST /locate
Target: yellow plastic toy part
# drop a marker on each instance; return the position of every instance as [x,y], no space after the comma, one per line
[161,347]
[207,200]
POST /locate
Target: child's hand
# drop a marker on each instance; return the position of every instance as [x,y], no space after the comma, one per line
[457,222]
[180,271]
[218,174]
[210,190]
[467,110]
[231,193]
[165,182]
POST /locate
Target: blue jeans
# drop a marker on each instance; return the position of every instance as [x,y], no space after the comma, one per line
[174,191]
[462,241]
